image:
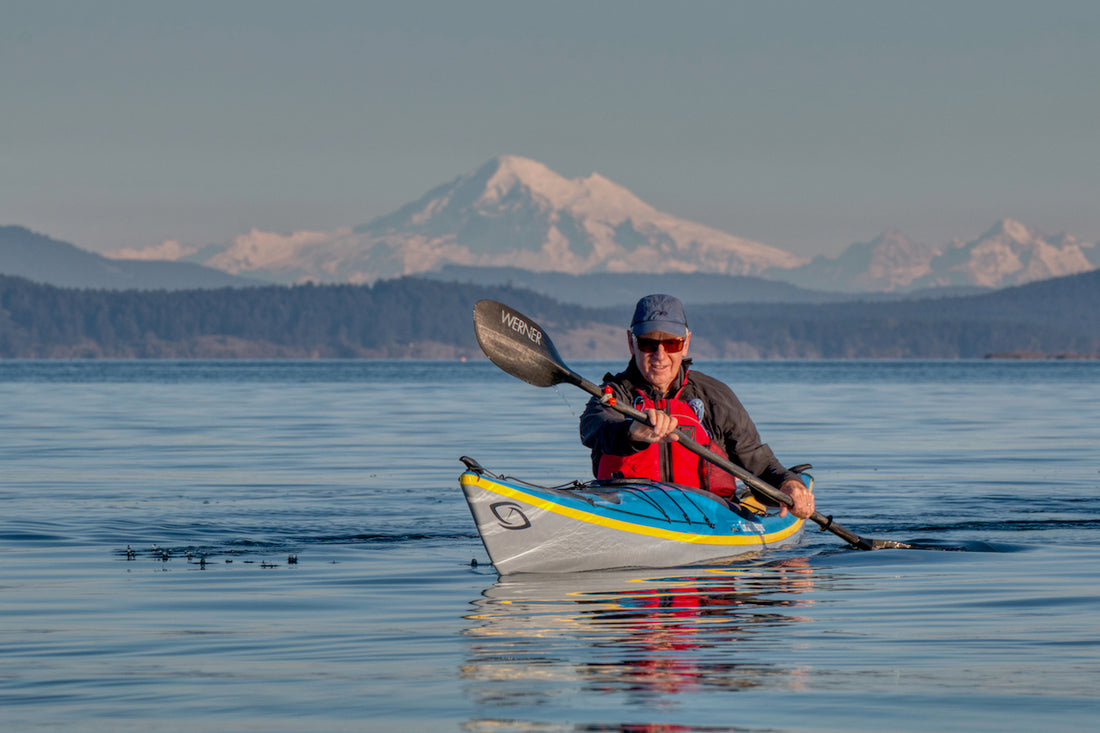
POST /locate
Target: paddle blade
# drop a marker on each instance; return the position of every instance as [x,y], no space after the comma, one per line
[518,345]
[889,545]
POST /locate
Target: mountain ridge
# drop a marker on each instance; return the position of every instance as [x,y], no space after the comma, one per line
[37,257]
[1008,253]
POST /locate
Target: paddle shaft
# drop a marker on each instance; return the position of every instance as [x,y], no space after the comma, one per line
[749,479]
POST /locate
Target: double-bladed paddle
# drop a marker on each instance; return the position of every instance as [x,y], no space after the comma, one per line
[522,348]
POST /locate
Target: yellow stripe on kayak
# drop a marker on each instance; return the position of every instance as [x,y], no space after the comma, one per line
[589,517]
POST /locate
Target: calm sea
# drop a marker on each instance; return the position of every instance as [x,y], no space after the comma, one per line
[215,546]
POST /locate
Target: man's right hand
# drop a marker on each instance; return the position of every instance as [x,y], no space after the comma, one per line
[661,427]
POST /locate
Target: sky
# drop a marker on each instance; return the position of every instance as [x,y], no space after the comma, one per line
[808,126]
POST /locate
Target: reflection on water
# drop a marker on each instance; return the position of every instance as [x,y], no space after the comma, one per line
[643,636]
[520,726]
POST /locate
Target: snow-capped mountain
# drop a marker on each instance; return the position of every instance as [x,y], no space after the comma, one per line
[514,212]
[889,262]
[1008,254]
[511,212]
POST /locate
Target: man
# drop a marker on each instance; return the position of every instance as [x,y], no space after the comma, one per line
[659,382]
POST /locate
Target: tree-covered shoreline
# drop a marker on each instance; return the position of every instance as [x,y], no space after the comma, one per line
[414,317]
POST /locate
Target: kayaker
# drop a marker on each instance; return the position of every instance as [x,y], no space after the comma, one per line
[658,380]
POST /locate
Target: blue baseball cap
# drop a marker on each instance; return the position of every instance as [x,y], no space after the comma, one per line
[659,313]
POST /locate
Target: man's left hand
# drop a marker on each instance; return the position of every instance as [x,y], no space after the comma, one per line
[802,497]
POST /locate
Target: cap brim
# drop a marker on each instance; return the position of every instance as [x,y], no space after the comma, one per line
[676,329]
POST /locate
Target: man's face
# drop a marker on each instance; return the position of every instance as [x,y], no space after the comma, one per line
[657,364]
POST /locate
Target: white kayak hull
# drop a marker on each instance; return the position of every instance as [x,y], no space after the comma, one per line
[605,525]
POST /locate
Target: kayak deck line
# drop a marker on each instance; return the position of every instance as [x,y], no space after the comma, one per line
[635,527]
[599,525]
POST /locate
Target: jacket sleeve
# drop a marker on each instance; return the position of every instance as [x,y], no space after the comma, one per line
[605,431]
[741,438]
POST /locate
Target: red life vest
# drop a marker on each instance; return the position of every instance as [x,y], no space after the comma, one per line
[671,462]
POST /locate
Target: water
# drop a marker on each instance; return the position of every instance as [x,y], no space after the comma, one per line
[216,475]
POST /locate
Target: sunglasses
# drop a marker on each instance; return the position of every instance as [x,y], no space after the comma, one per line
[649,346]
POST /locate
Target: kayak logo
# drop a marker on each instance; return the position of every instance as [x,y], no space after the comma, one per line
[510,515]
[521,326]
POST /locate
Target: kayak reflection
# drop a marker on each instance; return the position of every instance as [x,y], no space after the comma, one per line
[636,632]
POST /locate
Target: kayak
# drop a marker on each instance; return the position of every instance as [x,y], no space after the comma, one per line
[621,523]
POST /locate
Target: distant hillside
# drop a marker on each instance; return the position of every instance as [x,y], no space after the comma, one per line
[1060,316]
[623,288]
[620,288]
[24,253]
[420,318]
[405,318]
